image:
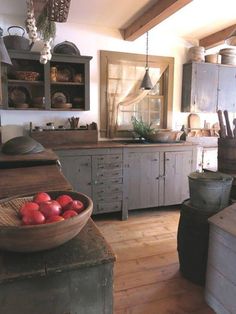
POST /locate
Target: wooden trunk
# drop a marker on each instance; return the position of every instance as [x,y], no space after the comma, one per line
[51,139]
[220,289]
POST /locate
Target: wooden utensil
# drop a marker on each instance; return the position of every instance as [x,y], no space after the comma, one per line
[222,126]
[194,121]
[229,131]
[234,130]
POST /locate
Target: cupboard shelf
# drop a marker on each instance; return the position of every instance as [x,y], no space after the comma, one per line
[66,65]
[67,83]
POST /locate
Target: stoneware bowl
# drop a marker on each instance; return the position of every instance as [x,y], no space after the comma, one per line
[165,136]
[34,238]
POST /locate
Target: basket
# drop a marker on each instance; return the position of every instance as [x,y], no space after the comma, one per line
[26,75]
[31,238]
[59,10]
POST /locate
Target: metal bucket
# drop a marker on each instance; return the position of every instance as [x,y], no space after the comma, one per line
[210,191]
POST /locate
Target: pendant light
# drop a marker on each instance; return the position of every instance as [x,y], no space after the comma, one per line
[146,82]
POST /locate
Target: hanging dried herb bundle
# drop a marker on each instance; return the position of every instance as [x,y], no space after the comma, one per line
[46,27]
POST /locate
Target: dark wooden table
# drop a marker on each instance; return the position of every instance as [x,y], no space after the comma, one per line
[27,180]
[75,278]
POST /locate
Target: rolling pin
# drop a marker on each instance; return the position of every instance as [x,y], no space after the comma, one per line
[229,131]
[222,126]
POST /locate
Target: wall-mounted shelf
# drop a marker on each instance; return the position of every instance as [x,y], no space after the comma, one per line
[72,82]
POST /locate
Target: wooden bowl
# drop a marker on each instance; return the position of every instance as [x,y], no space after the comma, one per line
[18,238]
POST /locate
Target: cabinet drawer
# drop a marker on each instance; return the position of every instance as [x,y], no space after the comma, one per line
[108,198]
[106,207]
[108,181]
[107,174]
[108,189]
[109,166]
[107,159]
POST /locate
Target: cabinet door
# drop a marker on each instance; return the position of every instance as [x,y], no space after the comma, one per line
[199,87]
[141,175]
[178,165]
[227,88]
[210,161]
[78,172]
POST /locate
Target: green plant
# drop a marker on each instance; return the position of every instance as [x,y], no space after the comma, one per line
[142,129]
[46,28]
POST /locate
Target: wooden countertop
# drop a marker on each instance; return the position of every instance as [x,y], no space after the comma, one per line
[118,144]
[88,248]
[27,180]
[47,154]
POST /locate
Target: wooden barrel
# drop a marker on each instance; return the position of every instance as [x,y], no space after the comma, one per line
[227,160]
[192,242]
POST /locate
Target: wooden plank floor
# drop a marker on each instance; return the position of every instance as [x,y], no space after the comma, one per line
[147,278]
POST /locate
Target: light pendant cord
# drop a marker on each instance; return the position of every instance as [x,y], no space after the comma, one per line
[147,51]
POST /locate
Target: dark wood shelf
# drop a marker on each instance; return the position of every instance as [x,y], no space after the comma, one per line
[67,83]
[25,82]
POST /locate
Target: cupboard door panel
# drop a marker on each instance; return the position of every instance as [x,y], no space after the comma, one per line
[227,89]
[178,165]
[199,87]
[78,171]
[141,178]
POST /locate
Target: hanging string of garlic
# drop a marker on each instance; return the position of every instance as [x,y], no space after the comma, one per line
[45,53]
[30,22]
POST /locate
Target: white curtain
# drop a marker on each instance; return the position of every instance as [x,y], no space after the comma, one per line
[123,87]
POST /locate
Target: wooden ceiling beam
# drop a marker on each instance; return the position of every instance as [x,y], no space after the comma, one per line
[217,38]
[160,11]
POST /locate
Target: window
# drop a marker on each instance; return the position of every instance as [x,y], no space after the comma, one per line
[121,97]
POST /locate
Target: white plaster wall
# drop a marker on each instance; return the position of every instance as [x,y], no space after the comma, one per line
[90,40]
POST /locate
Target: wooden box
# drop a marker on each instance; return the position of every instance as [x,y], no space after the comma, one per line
[53,138]
[220,289]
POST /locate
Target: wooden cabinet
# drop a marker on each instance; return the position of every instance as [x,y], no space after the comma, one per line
[122,179]
[157,176]
[97,173]
[60,84]
[199,87]
[207,87]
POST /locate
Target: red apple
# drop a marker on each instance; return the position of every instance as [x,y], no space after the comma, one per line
[34,217]
[75,205]
[69,213]
[63,200]
[41,197]
[55,218]
[27,207]
[50,208]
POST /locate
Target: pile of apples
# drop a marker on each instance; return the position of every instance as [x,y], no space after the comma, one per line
[42,209]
